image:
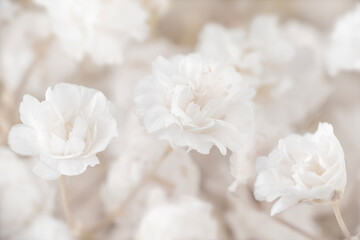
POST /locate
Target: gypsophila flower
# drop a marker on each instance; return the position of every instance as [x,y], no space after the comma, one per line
[256,52]
[66,130]
[45,227]
[101,29]
[27,46]
[22,196]
[195,103]
[285,70]
[188,218]
[309,168]
[344,49]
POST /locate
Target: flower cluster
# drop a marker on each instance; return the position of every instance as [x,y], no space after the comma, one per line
[217,120]
[101,29]
[344,50]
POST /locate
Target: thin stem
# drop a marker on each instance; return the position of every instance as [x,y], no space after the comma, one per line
[120,209]
[65,204]
[340,220]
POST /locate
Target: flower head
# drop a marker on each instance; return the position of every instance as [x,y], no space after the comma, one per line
[344,50]
[195,103]
[22,196]
[309,168]
[257,53]
[188,218]
[101,29]
[66,130]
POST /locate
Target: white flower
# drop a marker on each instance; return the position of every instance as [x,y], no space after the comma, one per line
[22,196]
[309,168]
[344,48]
[187,218]
[17,46]
[8,9]
[101,29]
[45,227]
[255,52]
[263,139]
[195,103]
[66,130]
[285,70]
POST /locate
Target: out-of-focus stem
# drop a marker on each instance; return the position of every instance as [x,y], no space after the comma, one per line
[65,205]
[340,220]
[120,209]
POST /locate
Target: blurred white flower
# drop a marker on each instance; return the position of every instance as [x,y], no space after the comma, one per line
[26,45]
[285,70]
[22,197]
[138,65]
[45,227]
[8,9]
[19,40]
[195,103]
[344,48]
[187,218]
[177,170]
[66,130]
[261,141]
[256,52]
[101,29]
[309,168]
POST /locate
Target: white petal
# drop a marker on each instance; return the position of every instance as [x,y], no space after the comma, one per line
[28,110]
[76,166]
[75,146]
[282,204]
[57,145]
[23,140]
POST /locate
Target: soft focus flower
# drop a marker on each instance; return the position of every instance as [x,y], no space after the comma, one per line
[18,43]
[101,29]
[8,9]
[344,48]
[45,227]
[285,70]
[27,46]
[177,175]
[187,218]
[195,103]
[66,130]
[22,197]
[309,168]
[261,141]
[257,53]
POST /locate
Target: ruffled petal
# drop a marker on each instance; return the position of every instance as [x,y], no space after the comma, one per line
[76,166]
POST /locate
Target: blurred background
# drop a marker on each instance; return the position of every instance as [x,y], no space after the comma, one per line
[46,42]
